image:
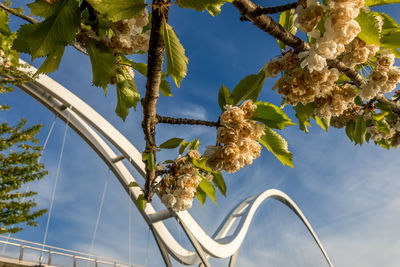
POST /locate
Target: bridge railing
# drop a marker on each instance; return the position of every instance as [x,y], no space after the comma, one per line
[45,254]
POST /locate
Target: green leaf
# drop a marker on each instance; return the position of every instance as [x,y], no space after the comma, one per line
[358,101]
[219,182]
[383,106]
[379,116]
[4,29]
[183,147]
[370,31]
[58,29]
[103,63]
[323,122]
[272,116]
[201,164]
[117,10]
[194,144]
[389,23]
[224,97]
[303,114]
[248,88]
[391,40]
[43,8]
[201,196]
[342,78]
[127,93]
[380,2]
[171,143]
[133,184]
[360,130]
[212,6]
[149,159]
[383,143]
[141,202]
[350,128]
[208,188]
[176,58]
[52,61]
[277,145]
[383,126]
[165,88]
[286,20]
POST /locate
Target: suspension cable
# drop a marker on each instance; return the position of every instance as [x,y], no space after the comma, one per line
[99,213]
[56,180]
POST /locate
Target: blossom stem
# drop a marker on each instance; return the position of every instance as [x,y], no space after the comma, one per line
[169,120]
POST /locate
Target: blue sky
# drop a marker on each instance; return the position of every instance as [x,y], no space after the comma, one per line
[348,193]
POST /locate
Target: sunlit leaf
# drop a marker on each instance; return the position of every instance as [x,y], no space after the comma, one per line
[141,202]
[176,58]
[323,122]
[224,97]
[248,88]
[272,116]
[127,93]
[286,20]
[43,8]
[219,182]
[117,10]
[212,6]
[303,114]
[52,61]
[360,130]
[370,31]
[171,143]
[208,188]
[278,146]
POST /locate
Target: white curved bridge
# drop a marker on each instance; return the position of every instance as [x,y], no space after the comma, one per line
[95,130]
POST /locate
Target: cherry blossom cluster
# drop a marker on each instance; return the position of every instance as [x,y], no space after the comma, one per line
[340,30]
[128,36]
[179,185]
[237,139]
[383,78]
[392,137]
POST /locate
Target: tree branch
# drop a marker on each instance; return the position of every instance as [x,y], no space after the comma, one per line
[271,10]
[31,20]
[169,120]
[381,98]
[154,75]
[268,25]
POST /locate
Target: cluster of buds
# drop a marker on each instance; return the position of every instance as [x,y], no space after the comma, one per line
[383,78]
[286,62]
[340,30]
[128,36]
[179,185]
[358,52]
[350,114]
[392,137]
[237,139]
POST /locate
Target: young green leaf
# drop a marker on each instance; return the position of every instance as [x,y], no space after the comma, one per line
[117,10]
[272,116]
[171,143]
[323,122]
[277,145]
[52,61]
[248,88]
[379,116]
[201,164]
[350,127]
[391,40]
[201,196]
[141,202]
[58,29]
[370,31]
[303,114]
[43,8]
[360,130]
[382,126]
[194,144]
[208,188]
[176,58]
[219,182]
[286,20]
[103,63]
[127,93]
[4,29]
[389,23]
[183,147]
[380,2]
[358,101]
[224,97]
[212,6]
[133,184]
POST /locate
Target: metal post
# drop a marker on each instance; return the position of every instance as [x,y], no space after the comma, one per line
[21,253]
[233,259]
[49,261]
[95,263]
[74,264]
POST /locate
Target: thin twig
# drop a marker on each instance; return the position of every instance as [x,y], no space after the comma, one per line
[170,120]
[31,20]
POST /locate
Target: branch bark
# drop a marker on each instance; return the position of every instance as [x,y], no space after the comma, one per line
[154,74]
[169,120]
